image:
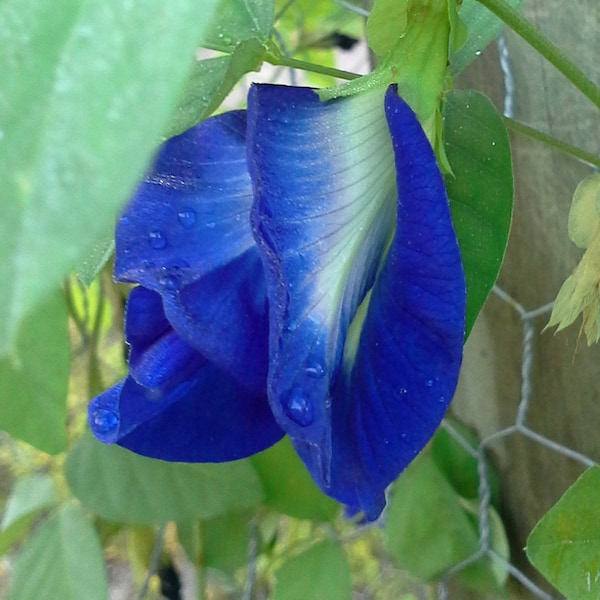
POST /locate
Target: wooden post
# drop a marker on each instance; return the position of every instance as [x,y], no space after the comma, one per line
[565,374]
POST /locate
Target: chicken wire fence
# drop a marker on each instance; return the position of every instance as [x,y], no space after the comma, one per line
[532,322]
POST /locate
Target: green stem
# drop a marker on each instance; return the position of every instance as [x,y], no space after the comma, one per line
[545,47]
[293,63]
[559,145]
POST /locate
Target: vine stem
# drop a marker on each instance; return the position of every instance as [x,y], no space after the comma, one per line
[293,63]
[545,47]
[552,142]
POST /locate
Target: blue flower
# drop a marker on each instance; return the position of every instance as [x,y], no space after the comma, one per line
[298,273]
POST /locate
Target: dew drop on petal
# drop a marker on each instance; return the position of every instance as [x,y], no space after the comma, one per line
[299,408]
[105,420]
[314,371]
[187,217]
[157,239]
[169,282]
[429,383]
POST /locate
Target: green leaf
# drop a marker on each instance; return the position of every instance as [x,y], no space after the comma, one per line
[565,545]
[34,379]
[428,530]
[62,560]
[483,27]
[240,20]
[460,466]
[122,486]
[487,575]
[387,24]
[91,265]
[211,80]
[225,541]
[86,88]
[189,536]
[480,190]
[288,487]
[320,572]
[30,497]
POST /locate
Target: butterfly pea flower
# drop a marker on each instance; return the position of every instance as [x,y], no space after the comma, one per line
[298,274]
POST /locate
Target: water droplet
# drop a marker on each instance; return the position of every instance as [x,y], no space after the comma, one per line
[104,420]
[187,217]
[169,282]
[429,383]
[153,394]
[299,408]
[478,53]
[403,391]
[211,225]
[442,399]
[157,239]
[314,372]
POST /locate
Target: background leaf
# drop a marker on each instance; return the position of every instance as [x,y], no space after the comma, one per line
[239,20]
[460,467]
[30,496]
[565,545]
[483,27]
[34,379]
[320,572]
[62,560]
[288,487]
[225,541]
[86,88]
[425,513]
[480,190]
[122,486]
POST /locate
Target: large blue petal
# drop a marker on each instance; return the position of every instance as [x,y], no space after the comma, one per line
[323,176]
[382,382]
[177,406]
[186,234]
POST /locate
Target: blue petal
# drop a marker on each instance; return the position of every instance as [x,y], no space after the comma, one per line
[177,406]
[323,175]
[186,234]
[191,214]
[373,380]
[224,316]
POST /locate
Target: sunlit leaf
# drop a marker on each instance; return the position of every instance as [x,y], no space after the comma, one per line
[322,571]
[30,497]
[34,379]
[288,486]
[480,190]
[483,27]
[565,545]
[86,88]
[210,81]
[237,21]
[63,559]
[122,486]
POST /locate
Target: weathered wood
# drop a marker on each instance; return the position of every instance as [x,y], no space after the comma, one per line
[565,376]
